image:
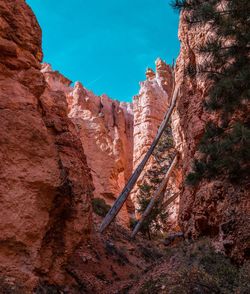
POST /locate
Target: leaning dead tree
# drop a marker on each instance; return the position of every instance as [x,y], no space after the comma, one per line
[134,177]
[156,196]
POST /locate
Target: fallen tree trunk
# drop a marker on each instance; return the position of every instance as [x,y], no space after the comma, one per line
[155,197]
[171,199]
[134,177]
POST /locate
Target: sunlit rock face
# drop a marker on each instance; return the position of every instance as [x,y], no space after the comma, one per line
[215,208]
[106,132]
[55,80]
[150,106]
[46,186]
[105,128]
[116,135]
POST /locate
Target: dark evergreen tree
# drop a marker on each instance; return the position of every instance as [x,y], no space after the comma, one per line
[157,218]
[162,158]
[226,145]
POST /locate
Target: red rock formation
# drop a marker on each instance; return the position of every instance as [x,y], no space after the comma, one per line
[105,128]
[214,208]
[107,133]
[46,185]
[45,182]
[150,107]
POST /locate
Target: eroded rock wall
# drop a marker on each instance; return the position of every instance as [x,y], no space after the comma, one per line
[150,106]
[214,208]
[105,128]
[46,185]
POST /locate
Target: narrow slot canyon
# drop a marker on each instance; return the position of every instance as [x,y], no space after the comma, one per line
[67,154]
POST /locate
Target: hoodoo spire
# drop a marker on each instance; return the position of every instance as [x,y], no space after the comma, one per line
[134,177]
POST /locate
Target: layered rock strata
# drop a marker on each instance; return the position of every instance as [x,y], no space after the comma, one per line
[46,185]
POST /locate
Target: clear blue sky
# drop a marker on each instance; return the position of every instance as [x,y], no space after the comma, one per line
[107,44]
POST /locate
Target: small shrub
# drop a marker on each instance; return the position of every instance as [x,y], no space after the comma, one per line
[118,253]
[155,180]
[150,254]
[193,178]
[196,268]
[145,188]
[100,207]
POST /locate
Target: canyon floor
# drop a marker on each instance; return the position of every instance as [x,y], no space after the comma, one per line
[113,263]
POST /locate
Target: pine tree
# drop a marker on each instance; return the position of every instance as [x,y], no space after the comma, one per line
[225,146]
[157,218]
[162,158]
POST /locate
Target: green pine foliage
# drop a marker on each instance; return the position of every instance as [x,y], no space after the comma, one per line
[196,268]
[163,156]
[100,207]
[156,219]
[225,146]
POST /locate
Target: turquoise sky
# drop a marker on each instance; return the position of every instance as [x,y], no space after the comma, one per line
[107,44]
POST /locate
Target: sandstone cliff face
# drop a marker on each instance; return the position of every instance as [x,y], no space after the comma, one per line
[47,128]
[45,182]
[216,208]
[105,128]
[150,107]
[116,135]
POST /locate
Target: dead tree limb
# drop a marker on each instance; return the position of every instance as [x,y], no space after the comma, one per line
[134,177]
[155,197]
